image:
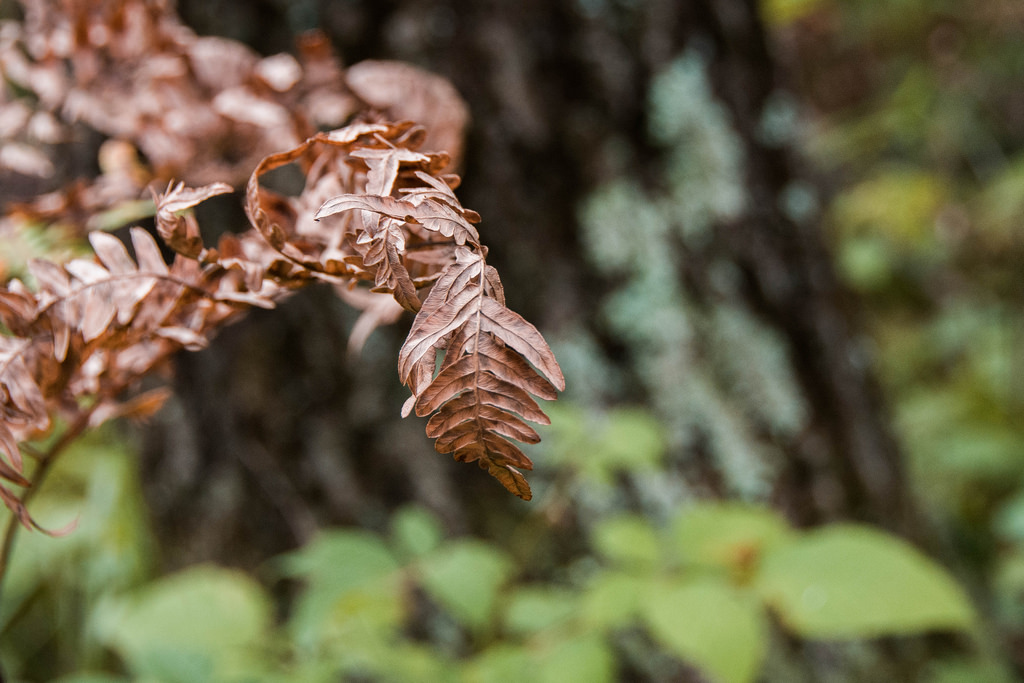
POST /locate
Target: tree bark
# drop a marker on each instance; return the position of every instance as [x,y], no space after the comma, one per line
[847,464]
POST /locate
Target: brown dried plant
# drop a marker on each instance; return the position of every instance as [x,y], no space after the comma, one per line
[374,209]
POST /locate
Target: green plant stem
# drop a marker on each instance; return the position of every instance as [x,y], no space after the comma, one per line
[46,462]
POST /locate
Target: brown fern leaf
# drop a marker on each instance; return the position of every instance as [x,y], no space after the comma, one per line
[403,92]
[435,215]
[287,223]
[385,163]
[354,171]
[384,251]
[21,404]
[24,415]
[85,301]
[493,361]
[93,328]
[384,233]
[181,232]
[440,189]
[412,231]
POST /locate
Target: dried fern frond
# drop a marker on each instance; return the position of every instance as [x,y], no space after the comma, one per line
[373,209]
[399,225]
[92,328]
[377,207]
[493,360]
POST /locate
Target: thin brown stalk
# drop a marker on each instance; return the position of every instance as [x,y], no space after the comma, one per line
[46,462]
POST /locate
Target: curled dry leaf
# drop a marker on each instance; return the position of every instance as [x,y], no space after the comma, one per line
[181,231]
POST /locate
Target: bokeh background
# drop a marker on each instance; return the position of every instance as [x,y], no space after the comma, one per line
[775,246]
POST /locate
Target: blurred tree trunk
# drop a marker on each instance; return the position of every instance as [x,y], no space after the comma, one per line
[275,432]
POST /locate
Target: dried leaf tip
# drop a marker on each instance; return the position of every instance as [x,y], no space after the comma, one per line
[181,232]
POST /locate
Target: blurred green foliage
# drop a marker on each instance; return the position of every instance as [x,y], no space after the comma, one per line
[926,225]
[53,585]
[412,604]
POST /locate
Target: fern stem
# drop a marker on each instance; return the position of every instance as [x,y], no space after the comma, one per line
[46,461]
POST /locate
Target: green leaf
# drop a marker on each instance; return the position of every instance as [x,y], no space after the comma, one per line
[581,658]
[353,592]
[963,670]
[123,213]
[730,535]
[866,261]
[531,610]
[341,559]
[712,625]
[785,12]
[900,203]
[628,540]
[980,452]
[499,664]
[1009,520]
[848,581]
[205,623]
[406,662]
[632,439]
[585,657]
[415,531]
[1008,590]
[464,578]
[613,599]
[601,445]
[93,483]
